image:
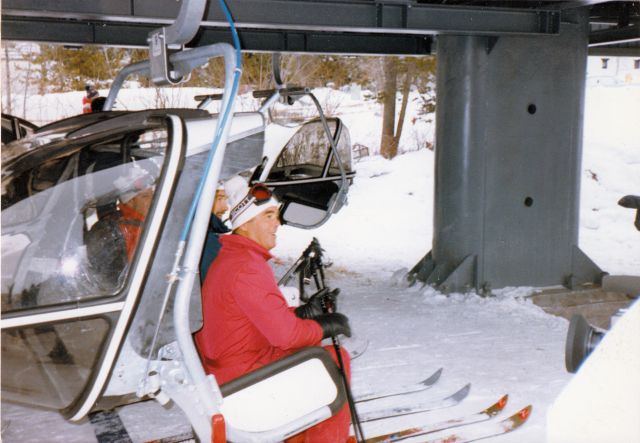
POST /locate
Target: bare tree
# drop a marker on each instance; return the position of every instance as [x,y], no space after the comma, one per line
[27,83]
[388,148]
[7,77]
[409,71]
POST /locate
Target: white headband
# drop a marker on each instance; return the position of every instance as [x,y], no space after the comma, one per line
[243,204]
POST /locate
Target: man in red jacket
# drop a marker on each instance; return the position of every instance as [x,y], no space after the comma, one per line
[247,322]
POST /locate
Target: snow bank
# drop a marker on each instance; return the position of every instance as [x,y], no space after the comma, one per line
[610,170]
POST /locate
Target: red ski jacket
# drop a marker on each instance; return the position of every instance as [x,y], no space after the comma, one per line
[130,225]
[86,104]
[247,323]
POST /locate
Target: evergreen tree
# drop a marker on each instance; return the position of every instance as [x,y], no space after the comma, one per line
[69,69]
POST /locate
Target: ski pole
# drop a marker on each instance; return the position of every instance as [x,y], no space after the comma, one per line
[357,426]
[311,261]
[314,246]
[355,420]
[292,270]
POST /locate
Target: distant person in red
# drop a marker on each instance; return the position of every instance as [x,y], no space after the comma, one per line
[247,322]
[91,93]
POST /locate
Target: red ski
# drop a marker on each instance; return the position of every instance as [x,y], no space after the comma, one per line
[486,430]
[477,417]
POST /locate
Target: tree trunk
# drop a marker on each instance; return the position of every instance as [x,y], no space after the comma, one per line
[387,148]
[27,82]
[403,107]
[7,73]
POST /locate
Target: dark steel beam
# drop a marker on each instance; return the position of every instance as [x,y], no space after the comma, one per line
[610,36]
[570,4]
[330,26]
[74,32]
[355,16]
[614,51]
[322,42]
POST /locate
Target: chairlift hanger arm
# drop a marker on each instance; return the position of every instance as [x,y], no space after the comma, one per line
[187,24]
[179,33]
[275,67]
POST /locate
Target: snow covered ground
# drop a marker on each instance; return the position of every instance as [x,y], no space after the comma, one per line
[503,344]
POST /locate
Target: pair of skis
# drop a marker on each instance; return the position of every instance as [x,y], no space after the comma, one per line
[402,390]
[464,435]
[423,406]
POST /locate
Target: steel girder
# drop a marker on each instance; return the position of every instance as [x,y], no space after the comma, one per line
[357,27]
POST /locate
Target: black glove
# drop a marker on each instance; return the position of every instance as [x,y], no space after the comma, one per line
[321,300]
[331,300]
[334,324]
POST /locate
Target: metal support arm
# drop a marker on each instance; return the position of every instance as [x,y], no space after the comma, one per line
[162,40]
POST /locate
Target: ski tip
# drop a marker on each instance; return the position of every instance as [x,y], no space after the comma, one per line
[462,393]
[432,378]
[521,416]
[516,420]
[525,412]
[497,407]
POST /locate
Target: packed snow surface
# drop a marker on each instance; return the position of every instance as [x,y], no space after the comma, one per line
[500,344]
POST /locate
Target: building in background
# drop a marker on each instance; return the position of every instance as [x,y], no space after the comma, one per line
[611,71]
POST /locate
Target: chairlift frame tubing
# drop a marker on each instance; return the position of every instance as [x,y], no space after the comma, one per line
[334,148]
[336,154]
[184,61]
[277,79]
[207,390]
[194,248]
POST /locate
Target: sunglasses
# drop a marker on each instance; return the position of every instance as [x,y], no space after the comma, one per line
[258,194]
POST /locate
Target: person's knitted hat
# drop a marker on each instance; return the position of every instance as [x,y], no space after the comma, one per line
[242,203]
[134,180]
[91,90]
